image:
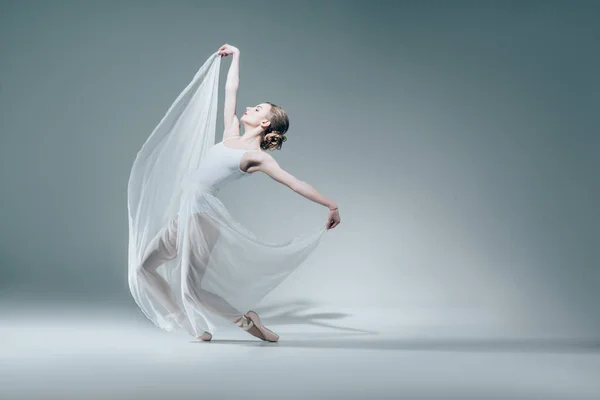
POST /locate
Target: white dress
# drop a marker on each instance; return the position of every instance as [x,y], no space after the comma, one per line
[192,266]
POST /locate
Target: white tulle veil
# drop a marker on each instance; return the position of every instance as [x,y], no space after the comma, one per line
[174,148]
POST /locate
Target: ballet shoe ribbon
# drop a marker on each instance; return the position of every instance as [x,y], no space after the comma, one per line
[245,323]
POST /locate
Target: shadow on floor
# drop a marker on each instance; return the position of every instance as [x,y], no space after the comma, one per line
[343,337]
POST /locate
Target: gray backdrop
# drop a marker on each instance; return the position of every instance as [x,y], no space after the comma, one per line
[459,139]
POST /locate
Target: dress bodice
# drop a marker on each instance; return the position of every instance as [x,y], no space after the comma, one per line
[220,166]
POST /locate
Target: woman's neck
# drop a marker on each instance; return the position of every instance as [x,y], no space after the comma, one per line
[252,136]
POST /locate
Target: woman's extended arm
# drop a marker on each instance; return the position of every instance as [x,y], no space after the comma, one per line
[231,86]
[269,166]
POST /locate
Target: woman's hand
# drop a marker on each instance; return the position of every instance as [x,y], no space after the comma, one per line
[227,49]
[334,219]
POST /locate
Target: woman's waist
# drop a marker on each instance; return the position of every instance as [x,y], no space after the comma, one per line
[196,186]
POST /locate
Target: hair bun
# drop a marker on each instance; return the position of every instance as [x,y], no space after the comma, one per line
[274,135]
[273,140]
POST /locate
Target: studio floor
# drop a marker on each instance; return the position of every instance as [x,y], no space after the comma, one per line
[322,354]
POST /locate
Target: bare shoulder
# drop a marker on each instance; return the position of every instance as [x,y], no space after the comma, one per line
[263,157]
[261,160]
[271,167]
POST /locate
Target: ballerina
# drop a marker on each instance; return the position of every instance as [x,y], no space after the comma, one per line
[192,266]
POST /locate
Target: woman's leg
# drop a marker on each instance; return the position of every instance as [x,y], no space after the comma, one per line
[204,233]
[160,250]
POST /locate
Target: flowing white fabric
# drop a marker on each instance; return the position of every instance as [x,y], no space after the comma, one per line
[191,265]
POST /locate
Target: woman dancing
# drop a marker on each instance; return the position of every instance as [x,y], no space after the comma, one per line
[192,266]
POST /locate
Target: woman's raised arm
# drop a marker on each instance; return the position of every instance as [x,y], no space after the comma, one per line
[231,86]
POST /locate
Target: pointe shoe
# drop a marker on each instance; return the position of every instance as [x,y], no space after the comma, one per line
[205,337]
[250,322]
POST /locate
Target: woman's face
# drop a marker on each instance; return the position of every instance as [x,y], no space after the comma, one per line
[257,115]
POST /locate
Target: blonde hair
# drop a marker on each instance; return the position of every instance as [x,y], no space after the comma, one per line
[274,135]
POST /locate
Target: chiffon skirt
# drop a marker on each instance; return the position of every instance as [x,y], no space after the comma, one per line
[203,269]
